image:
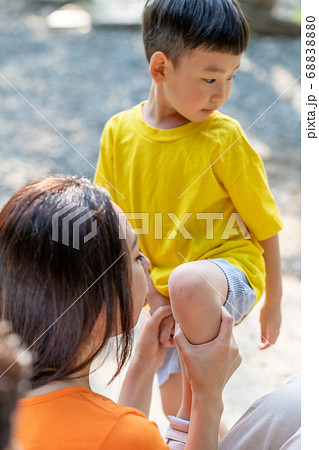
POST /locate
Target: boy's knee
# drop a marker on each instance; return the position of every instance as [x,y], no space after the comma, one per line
[183,282]
[186,285]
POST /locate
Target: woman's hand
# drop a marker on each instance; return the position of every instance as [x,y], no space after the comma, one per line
[149,348]
[155,300]
[209,366]
[148,357]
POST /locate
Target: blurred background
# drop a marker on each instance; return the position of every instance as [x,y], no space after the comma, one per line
[66,68]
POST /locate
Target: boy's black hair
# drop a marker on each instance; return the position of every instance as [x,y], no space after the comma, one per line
[175,26]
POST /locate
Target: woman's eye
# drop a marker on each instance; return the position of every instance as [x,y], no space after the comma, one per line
[210,80]
[231,78]
[140,257]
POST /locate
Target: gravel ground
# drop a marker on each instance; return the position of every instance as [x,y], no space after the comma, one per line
[59,87]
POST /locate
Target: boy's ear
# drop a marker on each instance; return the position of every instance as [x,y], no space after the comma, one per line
[158,67]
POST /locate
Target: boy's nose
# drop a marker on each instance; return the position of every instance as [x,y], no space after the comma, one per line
[218,93]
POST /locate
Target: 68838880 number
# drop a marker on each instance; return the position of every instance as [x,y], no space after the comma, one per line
[310,47]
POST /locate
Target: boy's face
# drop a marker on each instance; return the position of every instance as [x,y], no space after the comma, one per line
[200,83]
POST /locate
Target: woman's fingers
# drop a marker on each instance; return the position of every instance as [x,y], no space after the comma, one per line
[225,332]
[159,315]
[226,327]
[167,330]
[211,363]
[226,336]
[237,355]
[162,322]
[152,323]
[180,339]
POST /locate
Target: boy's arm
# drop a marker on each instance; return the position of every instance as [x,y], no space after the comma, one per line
[270,314]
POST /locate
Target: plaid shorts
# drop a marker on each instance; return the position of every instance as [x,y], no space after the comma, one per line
[240,300]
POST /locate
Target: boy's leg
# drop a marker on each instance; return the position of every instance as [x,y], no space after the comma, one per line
[171,394]
[197,291]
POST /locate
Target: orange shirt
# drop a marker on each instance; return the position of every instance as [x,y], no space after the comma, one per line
[77,418]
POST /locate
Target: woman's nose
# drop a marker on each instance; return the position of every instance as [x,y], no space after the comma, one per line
[145,263]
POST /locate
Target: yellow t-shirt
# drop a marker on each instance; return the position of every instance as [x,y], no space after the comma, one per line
[185,187]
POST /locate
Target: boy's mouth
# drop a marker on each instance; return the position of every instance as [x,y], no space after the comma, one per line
[208,111]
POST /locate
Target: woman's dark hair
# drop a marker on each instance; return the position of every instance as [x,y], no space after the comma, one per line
[176,26]
[52,292]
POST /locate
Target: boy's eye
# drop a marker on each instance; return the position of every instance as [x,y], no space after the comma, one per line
[210,80]
[231,78]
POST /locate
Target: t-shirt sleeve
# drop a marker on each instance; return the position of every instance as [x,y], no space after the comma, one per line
[241,171]
[104,173]
[134,432]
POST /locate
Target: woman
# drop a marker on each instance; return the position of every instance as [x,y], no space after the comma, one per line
[66,303]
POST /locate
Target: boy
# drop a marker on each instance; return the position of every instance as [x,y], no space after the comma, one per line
[209,221]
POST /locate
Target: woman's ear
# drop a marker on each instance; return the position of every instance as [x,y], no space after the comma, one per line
[158,67]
